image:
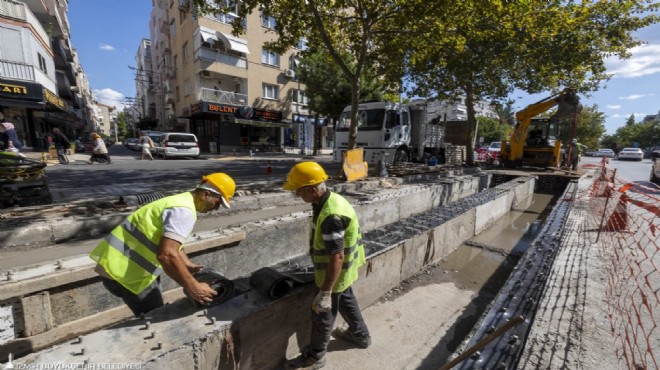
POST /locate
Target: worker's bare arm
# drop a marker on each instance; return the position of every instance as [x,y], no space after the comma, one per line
[175,267]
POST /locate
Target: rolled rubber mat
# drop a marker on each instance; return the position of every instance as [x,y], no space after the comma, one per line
[223,286]
[276,284]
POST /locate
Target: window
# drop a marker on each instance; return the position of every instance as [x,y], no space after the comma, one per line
[186,87]
[185,52]
[299,97]
[42,63]
[269,57]
[301,44]
[268,21]
[172,28]
[231,5]
[294,62]
[271,92]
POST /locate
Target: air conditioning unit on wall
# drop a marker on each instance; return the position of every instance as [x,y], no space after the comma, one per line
[290,73]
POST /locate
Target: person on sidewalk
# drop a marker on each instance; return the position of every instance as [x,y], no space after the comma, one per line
[132,257]
[147,144]
[62,144]
[575,155]
[9,137]
[337,252]
[100,151]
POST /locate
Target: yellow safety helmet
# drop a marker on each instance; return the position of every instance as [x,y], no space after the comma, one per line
[219,183]
[305,174]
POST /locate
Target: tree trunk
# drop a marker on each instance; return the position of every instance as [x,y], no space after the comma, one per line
[472,126]
[355,100]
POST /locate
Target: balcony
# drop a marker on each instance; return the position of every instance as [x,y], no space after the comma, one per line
[211,55]
[13,9]
[16,71]
[220,96]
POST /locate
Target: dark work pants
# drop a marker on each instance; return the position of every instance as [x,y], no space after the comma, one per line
[346,304]
[151,300]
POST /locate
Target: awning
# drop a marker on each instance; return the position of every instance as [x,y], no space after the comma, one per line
[22,103]
[207,34]
[250,122]
[235,43]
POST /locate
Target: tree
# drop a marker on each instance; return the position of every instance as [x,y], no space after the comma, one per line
[486,49]
[355,34]
[590,126]
[492,129]
[122,126]
[630,121]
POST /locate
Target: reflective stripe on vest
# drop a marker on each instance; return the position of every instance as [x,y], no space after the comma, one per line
[129,253]
[353,249]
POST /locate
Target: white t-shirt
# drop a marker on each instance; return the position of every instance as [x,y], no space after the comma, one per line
[178,223]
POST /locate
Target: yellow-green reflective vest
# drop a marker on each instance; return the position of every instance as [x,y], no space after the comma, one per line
[353,248]
[129,253]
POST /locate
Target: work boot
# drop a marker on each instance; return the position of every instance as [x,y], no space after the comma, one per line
[348,335]
[305,362]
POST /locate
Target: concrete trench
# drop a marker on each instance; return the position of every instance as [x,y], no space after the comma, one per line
[232,335]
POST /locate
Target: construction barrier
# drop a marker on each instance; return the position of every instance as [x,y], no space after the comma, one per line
[627,216]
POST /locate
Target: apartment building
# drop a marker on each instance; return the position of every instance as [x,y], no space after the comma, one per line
[104,115]
[146,86]
[456,110]
[39,72]
[230,91]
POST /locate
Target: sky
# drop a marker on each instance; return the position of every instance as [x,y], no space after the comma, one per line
[107,35]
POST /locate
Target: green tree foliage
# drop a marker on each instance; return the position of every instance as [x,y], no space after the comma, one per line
[485,49]
[645,134]
[327,89]
[491,129]
[590,127]
[123,126]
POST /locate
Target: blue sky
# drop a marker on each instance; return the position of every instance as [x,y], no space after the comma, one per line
[107,34]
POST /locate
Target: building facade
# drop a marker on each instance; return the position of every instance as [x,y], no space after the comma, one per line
[232,92]
[39,72]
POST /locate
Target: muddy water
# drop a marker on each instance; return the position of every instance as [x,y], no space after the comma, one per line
[474,263]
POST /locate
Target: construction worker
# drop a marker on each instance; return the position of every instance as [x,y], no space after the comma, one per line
[135,253]
[337,253]
[575,154]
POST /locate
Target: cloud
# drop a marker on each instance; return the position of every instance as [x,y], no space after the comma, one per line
[645,60]
[110,97]
[107,47]
[616,115]
[632,97]
[613,106]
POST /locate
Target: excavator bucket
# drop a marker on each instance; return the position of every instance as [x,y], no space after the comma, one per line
[354,166]
[567,106]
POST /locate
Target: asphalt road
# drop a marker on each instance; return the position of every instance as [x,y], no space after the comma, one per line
[129,175]
[629,170]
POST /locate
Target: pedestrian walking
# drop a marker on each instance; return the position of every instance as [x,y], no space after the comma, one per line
[575,155]
[9,137]
[337,252]
[147,144]
[100,151]
[132,257]
[62,144]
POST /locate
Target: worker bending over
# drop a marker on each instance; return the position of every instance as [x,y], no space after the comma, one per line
[337,253]
[132,257]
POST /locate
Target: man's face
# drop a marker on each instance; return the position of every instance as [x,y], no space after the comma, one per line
[306,193]
[209,202]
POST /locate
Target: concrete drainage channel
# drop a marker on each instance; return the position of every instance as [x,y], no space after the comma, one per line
[232,335]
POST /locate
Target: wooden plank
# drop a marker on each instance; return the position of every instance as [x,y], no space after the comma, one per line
[45,282]
[37,315]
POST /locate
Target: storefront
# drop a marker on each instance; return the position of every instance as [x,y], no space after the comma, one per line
[309,132]
[226,128]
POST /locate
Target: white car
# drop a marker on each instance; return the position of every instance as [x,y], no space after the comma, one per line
[604,153]
[631,153]
[494,149]
[177,144]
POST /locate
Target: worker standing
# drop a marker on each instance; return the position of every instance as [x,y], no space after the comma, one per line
[575,154]
[132,257]
[337,253]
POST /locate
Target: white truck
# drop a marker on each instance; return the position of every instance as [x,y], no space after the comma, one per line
[392,131]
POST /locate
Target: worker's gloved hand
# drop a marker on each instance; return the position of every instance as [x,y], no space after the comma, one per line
[322,302]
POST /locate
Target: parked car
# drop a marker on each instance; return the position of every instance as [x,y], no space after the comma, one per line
[631,153]
[604,153]
[655,167]
[132,143]
[177,144]
[494,149]
[590,153]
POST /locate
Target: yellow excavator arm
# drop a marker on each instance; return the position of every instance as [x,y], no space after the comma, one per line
[512,151]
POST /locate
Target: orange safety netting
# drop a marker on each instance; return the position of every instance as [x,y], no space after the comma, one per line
[628,219]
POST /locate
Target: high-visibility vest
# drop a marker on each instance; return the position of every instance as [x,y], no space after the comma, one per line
[129,253]
[353,248]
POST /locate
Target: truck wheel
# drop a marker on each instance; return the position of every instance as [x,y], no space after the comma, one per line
[401,156]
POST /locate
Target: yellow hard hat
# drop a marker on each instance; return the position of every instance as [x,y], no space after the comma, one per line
[222,184]
[305,174]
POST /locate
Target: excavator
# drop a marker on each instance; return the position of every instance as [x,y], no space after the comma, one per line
[537,142]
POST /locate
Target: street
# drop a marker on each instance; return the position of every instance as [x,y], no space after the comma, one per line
[629,170]
[130,175]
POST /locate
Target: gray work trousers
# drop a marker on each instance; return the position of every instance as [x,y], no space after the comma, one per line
[346,304]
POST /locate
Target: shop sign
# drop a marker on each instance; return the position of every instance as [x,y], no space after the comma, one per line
[54,99]
[195,109]
[246,112]
[218,108]
[21,90]
[268,115]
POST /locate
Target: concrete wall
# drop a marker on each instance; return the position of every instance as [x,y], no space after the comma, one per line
[251,332]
